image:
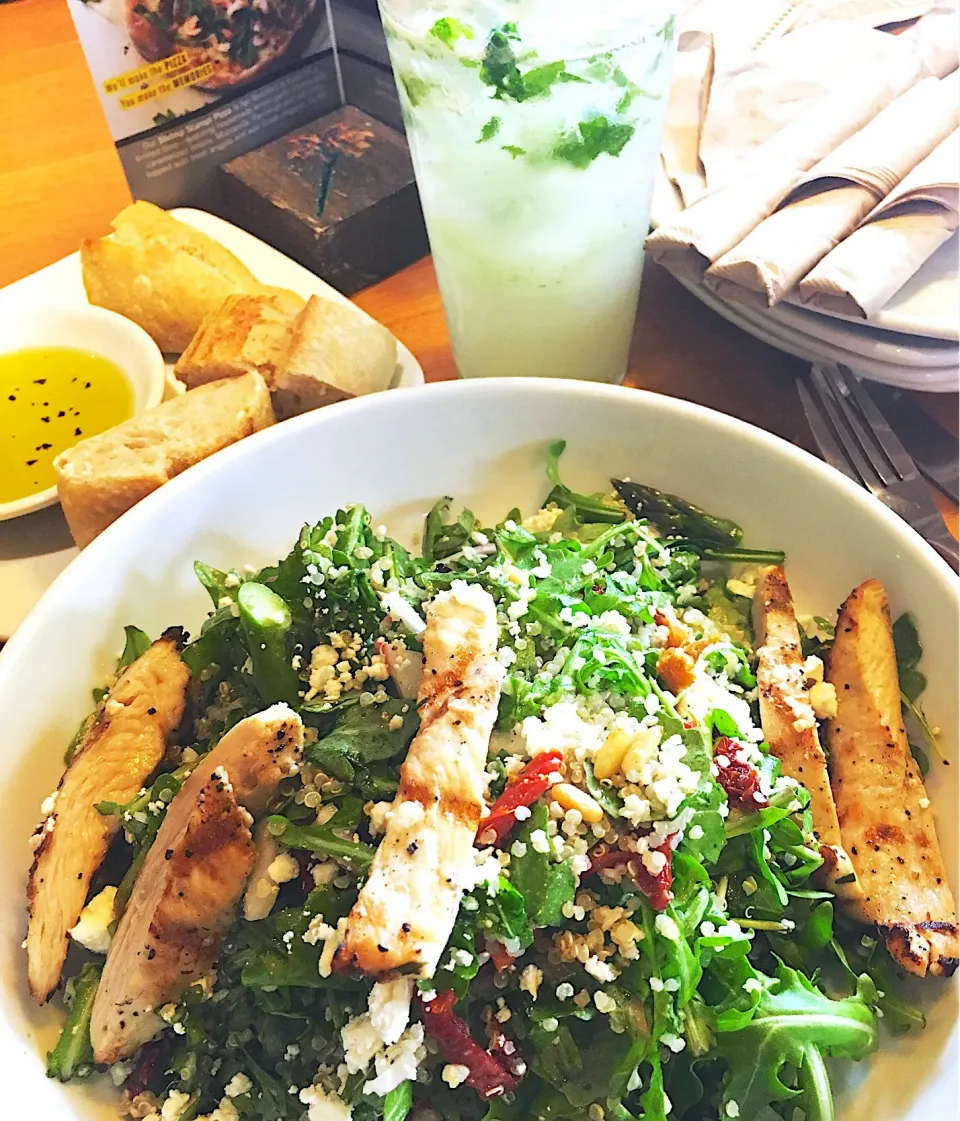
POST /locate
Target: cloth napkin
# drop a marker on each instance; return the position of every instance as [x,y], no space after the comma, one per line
[831,200]
[913,221]
[726,214]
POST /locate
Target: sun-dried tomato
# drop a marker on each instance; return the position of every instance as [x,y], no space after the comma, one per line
[457,1045]
[655,887]
[523,790]
[740,779]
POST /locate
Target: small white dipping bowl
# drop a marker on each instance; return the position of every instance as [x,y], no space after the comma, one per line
[91,329]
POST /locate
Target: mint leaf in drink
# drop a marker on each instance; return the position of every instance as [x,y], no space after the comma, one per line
[500,69]
[448,30]
[592,138]
[490,129]
[415,88]
[514,150]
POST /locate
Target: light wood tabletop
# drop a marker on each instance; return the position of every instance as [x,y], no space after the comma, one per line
[60,181]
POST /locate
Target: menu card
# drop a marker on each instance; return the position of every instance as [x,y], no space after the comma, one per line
[187,86]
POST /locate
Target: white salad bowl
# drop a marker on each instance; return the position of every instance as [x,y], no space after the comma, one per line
[484,443]
[92,329]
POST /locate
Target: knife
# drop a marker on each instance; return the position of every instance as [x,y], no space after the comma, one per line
[932,448]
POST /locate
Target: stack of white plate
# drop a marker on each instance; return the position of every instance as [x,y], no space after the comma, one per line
[911,343]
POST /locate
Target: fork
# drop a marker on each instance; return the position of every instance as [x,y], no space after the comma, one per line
[856,439]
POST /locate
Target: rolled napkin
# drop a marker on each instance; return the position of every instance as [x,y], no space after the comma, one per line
[689,91]
[833,198]
[722,218]
[877,259]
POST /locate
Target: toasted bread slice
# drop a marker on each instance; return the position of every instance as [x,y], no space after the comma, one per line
[161,273]
[337,351]
[248,332]
[101,478]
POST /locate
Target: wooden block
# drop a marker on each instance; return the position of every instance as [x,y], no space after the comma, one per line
[338,195]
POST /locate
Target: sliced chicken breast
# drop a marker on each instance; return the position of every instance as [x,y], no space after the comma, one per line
[886,820]
[186,895]
[789,722]
[402,920]
[122,747]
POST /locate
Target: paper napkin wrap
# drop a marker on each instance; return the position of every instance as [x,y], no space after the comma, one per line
[913,221]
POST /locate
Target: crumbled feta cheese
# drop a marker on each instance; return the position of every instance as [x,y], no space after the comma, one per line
[324,1106]
[731,1109]
[175,1106]
[455,1074]
[92,928]
[283,868]
[564,728]
[389,1008]
[823,698]
[599,970]
[398,1063]
[667,928]
[238,1085]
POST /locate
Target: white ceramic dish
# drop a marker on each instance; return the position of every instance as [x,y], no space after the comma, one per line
[485,443]
[34,549]
[100,332]
[925,306]
[816,348]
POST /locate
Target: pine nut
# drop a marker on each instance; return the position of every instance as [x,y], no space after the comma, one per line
[571,798]
[607,761]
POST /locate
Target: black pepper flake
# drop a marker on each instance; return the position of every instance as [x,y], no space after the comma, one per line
[77,432]
[12,397]
[151,711]
[405,927]
[39,381]
[45,419]
[45,447]
[86,385]
[412,847]
[382,949]
[61,413]
[188,853]
[31,462]
[168,855]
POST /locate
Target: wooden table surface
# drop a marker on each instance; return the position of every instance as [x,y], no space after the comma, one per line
[60,180]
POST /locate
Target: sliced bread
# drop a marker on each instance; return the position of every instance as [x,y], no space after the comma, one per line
[248,332]
[102,477]
[161,273]
[336,351]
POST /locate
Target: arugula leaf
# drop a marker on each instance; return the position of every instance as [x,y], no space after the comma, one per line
[591,138]
[544,884]
[913,683]
[792,1020]
[398,1102]
[442,539]
[586,508]
[322,839]
[363,736]
[504,914]
[136,644]
[606,795]
[514,150]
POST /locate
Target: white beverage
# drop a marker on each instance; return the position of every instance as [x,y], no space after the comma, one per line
[535,128]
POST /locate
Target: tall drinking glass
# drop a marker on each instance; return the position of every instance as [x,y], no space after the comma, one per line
[535,129]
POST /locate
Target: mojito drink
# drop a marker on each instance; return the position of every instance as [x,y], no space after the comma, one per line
[535,130]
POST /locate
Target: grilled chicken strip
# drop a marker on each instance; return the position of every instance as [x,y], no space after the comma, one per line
[885,817]
[122,747]
[788,720]
[402,920]
[186,895]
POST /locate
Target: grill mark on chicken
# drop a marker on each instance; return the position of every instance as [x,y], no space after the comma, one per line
[121,749]
[885,817]
[192,879]
[403,916]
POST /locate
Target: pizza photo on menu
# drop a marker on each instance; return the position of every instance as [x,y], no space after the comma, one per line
[236,39]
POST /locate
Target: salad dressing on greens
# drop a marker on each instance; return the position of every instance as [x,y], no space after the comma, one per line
[50,399]
[640,936]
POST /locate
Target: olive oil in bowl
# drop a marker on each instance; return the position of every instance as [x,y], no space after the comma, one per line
[50,399]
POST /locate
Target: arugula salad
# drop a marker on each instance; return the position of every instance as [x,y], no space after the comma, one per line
[641,923]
